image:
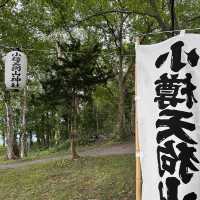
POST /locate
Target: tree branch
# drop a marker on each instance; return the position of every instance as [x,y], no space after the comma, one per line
[110,27]
[4,4]
[103,13]
[193,19]
[157,16]
[130,68]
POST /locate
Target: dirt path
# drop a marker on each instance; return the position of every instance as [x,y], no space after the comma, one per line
[118,149]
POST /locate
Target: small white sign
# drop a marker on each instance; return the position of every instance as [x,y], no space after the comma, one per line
[15,70]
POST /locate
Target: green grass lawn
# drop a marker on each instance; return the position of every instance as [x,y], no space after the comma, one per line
[103,178]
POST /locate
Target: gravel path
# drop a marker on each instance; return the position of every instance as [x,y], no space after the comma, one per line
[118,149]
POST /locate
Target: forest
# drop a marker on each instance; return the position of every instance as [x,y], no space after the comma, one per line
[81,69]
[80,84]
[80,75]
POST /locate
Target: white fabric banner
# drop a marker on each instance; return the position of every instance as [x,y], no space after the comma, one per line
[168,89]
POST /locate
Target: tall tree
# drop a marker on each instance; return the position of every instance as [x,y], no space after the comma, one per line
[76,77]
[23,135]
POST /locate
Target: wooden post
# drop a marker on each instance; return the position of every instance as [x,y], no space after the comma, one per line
[138,176]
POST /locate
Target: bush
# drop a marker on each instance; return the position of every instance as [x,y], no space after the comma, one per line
[63,146]
[2,150]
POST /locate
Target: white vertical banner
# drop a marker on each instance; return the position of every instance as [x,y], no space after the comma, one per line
[168,87]
[15,70]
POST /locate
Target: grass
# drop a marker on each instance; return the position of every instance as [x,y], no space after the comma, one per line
[103,178]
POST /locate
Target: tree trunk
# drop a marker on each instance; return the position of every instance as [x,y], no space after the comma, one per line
[73,129]
[132,66]
[59,54]
[97,120]
[133,105]
[23,138]
[30,139]
[74,133]
[9,128]
[73,145]
[121,128]
[3,137]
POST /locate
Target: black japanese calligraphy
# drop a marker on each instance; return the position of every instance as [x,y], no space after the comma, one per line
[15,79]
[172,90]
[167,158]
[186,157]
[175,126]
[172,184]
[167,90]
[188,90]
[16,68]
[176,52]
[193,57]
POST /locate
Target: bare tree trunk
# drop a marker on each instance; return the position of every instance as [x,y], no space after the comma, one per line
[3,136]
[133,106]
[74,131]
[68,124]
[59,54]
[23,138]
[31,139]
[132,66]
[97,121]
[121,128]
[73,145]
[9,128]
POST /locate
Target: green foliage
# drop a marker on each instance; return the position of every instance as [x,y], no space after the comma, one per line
[2,151]
[78,74]
[88,34]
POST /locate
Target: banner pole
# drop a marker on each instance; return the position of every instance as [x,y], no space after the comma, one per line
[138,176]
